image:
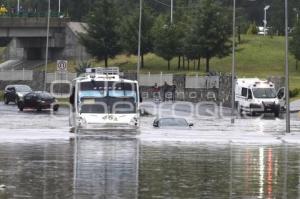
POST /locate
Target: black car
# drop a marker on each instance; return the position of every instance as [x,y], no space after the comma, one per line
[38,100]
[171,122]
[13,93]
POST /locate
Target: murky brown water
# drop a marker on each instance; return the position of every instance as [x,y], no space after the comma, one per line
[105,168]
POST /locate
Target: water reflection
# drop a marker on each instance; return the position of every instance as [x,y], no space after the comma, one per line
[106,168]
[201,171]
[112,168]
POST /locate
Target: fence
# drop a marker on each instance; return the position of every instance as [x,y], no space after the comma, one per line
[159,79]
[16,75]
[52,77]
[207,82]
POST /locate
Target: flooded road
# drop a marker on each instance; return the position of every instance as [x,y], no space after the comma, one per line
[40,159]
[130,169]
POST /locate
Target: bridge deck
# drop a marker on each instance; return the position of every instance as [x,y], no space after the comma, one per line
[31,22]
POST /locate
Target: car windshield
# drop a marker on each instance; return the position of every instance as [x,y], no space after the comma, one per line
[264,92]
[179,122]
[22,88]
[45,95]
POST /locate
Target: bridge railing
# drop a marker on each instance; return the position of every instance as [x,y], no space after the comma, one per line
[33,14]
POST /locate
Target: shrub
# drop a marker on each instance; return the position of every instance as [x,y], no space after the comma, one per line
[295,92]
[252,30]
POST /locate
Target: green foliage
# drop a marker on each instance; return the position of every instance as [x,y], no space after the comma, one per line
[166,39]
[129,33]
[211,31]
[252,30]
[102,39]
[295,92]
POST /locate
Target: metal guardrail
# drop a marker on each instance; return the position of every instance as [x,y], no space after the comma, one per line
[16,75]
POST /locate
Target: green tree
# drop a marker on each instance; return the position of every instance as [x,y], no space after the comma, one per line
[252,30]
[212,28]
[166,39]
[102,37]
[295,44]
[130,30]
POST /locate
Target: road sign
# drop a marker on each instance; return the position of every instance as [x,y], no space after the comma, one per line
[62,65]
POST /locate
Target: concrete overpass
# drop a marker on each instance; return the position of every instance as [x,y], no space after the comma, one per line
[25,38]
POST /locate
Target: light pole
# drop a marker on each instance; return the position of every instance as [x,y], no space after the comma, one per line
[58,7]
[139,42]
[233,66]
[47,45]
[172,6]
[287,97]
[265,19]
[18,7]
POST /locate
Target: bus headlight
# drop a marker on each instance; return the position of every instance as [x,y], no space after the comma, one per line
[81,121]
[134,121]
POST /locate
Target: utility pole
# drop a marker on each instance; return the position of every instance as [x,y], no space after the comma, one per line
[287,97]
[47,45]
[233,66]
[139,42]
[18,7]
[58,7]
[172,7]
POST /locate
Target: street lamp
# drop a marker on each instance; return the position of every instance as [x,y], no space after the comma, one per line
[139,41]
[47,44]
[58,7]
[233,66]
[265,18]
[287,97]
[18,6]
[172,6]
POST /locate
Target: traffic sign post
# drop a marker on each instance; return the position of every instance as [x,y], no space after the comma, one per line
[62,67]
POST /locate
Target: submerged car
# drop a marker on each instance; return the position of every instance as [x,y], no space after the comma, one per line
[38,100]
[171,122]
[13,93]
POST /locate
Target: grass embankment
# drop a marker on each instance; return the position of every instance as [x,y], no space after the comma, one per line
[257,56]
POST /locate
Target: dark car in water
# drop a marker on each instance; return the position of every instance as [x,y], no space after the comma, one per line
[13,93]
[38,100]
[171,122]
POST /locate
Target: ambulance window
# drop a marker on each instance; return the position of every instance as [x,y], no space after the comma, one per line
[244,92]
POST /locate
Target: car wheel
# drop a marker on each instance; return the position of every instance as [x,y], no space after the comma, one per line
[21,107]
[276,113]
[6,101]
[55,108]
[16,100]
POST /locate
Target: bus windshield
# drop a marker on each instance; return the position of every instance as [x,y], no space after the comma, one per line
[107,97]
[264,92]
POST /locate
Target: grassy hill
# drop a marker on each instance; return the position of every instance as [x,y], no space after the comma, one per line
[257,56]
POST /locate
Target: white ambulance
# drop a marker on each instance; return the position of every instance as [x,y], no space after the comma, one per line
[253,95]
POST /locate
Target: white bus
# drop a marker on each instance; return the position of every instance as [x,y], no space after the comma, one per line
[253,95]
[102,100]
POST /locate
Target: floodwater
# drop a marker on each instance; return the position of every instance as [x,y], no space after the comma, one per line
[39,159]
[129,169]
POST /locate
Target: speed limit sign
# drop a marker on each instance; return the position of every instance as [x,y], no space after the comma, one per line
[62,65]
